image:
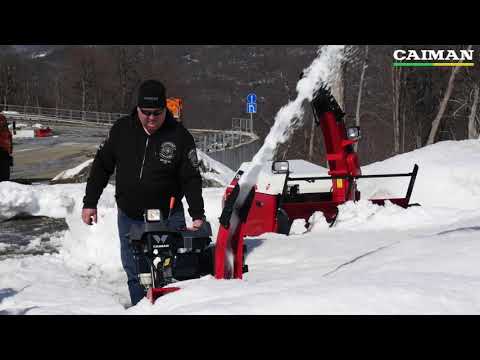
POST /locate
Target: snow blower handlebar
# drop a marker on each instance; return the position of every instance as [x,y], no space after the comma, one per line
[172,204]
[404,202]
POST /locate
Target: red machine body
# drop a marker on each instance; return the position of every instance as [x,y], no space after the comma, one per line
[154,293]
[43,132]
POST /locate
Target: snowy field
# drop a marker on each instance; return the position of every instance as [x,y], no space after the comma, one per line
[375,260]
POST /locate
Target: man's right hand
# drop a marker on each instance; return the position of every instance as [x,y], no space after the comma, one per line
[89,216]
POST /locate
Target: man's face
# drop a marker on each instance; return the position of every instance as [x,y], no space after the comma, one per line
[151,118]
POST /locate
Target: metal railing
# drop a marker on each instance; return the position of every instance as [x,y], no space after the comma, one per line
[219,140]
[208,140]
[35,113]
[242,124]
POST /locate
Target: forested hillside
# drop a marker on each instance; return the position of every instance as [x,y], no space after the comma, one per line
[395,108]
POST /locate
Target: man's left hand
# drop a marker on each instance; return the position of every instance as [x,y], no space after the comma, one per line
[197,224]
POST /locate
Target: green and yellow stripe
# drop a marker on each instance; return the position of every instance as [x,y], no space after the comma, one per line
[425,64]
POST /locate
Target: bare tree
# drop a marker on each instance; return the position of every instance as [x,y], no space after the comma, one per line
[80,77]
[312,138]
[128,71]
[57,91]
[122,63]
[443,104]
[27,93]
[306,137]
[8,81]
[404,106]
[473,123]
[396,81]
[360,89]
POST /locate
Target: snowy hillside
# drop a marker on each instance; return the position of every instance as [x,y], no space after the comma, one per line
[375,260]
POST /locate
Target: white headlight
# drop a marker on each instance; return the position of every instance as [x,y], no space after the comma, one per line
[154,215]
[280,167]
[353,133]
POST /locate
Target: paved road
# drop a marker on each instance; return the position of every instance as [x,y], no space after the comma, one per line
[47,157]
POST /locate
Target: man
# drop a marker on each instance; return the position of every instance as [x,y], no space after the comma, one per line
[155,159]
[6,149]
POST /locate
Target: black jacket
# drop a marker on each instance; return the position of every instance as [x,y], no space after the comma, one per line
[149,169]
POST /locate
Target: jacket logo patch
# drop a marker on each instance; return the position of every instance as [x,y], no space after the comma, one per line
[192,156]
[167,152]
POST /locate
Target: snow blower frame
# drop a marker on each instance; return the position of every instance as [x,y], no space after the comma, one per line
[265,211]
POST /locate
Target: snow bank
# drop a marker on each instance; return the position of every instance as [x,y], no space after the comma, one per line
[215,170]
[41,200]
[70,173]
[375,260]
[448,176]
[24,134]
[83,246]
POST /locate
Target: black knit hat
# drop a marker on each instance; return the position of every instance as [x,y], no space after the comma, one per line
[152,95]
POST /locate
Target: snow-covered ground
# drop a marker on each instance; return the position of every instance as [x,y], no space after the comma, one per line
[375,260]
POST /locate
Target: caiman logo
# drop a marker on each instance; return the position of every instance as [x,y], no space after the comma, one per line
[167,152]
[432,58]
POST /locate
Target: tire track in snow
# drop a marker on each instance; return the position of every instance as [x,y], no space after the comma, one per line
[358,258]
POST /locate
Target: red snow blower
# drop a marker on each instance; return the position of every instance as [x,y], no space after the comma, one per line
[278,199]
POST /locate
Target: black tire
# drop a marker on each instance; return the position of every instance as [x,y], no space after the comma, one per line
[284,223]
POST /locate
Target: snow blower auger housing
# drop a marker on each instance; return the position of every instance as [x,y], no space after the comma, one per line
[291,190]
[163,256]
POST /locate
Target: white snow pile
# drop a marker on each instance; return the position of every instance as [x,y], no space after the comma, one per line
[17,126]
[24,134]
[375,260]
[70,173]
[451,167]
[52,201]
[214,170]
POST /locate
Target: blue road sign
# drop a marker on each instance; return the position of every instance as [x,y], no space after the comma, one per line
[251,108]
[251,98]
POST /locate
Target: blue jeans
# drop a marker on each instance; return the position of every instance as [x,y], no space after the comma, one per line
[137,292]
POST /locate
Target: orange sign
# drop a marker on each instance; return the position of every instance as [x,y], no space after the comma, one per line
[175,106]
